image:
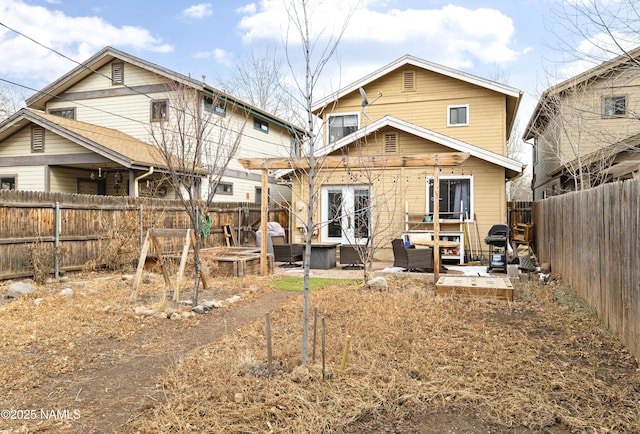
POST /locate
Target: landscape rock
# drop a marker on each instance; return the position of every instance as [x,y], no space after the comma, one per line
[18,289]
[175,316]
[213,304]
[127,277]
[234,299]
[201,308]
[67,292]
[379,283]
[300,374]
[145,311]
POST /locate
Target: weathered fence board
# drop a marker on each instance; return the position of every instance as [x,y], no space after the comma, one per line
[89,226]
[592,239]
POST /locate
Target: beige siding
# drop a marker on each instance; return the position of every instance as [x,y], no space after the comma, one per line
[130,114]
[581,128]
[30,178]
[17,145]
[427,107]
[399,187]
[133,76]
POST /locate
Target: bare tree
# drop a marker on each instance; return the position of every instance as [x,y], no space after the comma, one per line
[519,188]
[259,79]
[315,57]
[580,137]
[196,146]
[377,193]
[11,101]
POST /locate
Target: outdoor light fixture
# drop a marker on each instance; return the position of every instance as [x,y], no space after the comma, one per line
[117,180]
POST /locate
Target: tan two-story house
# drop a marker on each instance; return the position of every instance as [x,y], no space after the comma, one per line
[96,130]
[406,108]
[585,129]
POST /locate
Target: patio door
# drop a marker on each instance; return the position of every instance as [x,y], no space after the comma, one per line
[346,214]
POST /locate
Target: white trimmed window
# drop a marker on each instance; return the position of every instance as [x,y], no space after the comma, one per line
[341,126]
[224,188]
[456,197]
[458,115]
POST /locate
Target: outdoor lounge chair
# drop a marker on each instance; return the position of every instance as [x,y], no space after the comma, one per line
[350,256]
[411,258]
[288,253]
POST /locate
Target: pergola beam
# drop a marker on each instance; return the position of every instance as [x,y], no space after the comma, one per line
[358,161]
[436,160]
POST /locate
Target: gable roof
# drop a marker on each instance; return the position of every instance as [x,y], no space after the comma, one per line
[109,143]
[108,54]
[590,75]
[513,95]
[513,168]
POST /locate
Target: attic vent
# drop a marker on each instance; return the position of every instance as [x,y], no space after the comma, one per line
[37,138]
[117,73]
[408,81]
[390,143]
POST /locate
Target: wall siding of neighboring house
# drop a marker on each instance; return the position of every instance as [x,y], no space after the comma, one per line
[127,108]
[28,177]
[579,125]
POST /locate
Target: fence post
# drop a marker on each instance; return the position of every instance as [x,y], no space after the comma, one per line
[141,220]
[56,241]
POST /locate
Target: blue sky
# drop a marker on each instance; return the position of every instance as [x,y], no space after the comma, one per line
[509,40]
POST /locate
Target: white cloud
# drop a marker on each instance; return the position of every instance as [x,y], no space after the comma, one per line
[475,40]
[198,11]
[76,37]
[595,50]
[453,35]
[221,56]
[247,9]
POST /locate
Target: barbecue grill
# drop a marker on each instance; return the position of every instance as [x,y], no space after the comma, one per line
[497,239]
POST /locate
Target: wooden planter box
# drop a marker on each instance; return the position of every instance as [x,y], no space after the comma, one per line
[240,261]
[494,287]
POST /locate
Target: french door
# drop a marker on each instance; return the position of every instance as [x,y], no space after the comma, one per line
[346,214]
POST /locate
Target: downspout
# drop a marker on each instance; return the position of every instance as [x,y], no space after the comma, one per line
[135,181]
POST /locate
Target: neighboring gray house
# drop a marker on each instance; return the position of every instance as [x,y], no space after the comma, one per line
[86,132]
[585,130]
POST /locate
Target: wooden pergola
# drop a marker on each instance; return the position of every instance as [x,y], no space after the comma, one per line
[436,160]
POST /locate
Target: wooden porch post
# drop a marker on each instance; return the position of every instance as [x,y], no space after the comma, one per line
[436,223]
[264,216]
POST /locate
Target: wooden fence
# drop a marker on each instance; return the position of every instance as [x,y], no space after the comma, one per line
[592,239]
[84,228]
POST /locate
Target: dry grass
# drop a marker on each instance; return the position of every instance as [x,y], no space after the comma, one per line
[49,334]
[535,363]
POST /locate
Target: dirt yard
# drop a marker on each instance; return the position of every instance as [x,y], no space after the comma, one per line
[418,363]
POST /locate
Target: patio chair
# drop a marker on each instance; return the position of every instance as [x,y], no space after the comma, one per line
[350,257]
[411,258]
[288,253]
